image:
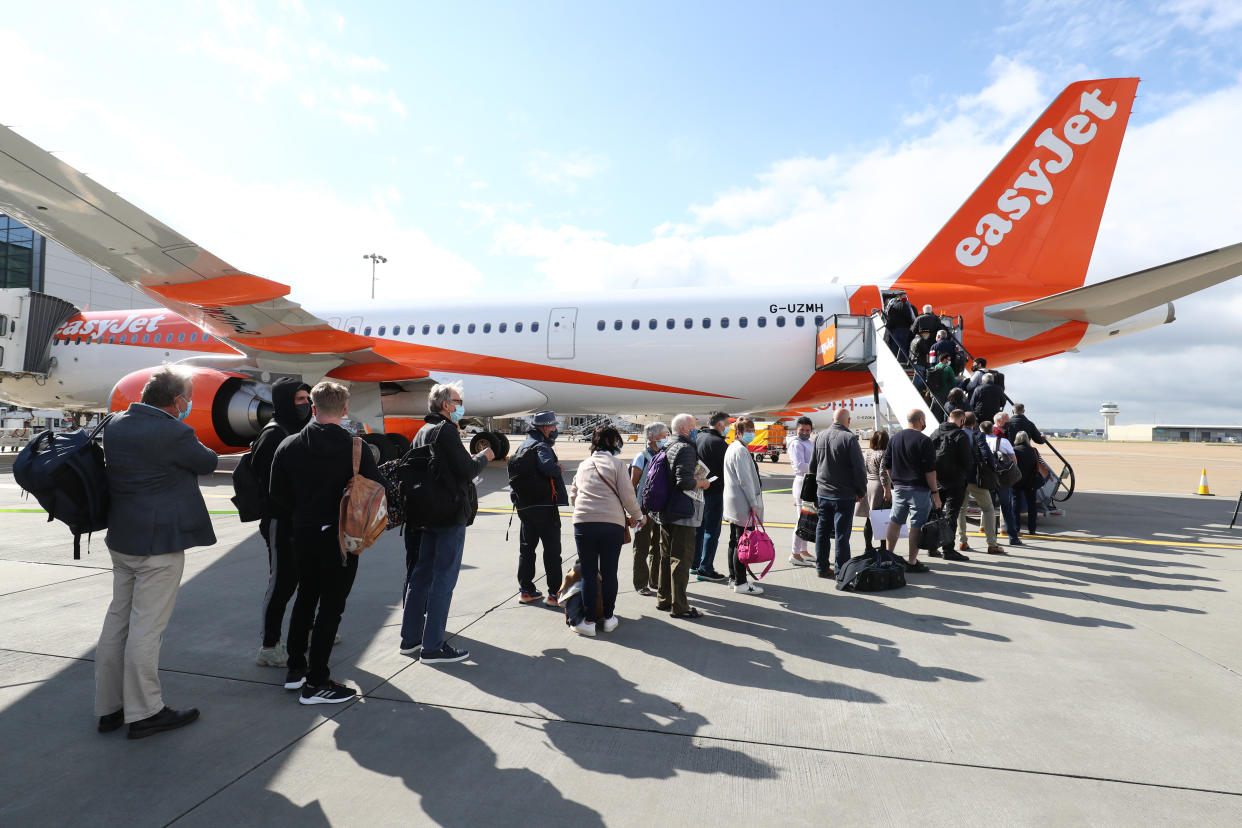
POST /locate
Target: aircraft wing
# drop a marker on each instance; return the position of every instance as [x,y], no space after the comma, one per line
[249,312]
[1105,303]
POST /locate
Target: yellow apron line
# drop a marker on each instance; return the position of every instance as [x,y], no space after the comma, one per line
[495,511]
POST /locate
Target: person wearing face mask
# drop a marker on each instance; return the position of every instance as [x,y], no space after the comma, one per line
[710,444]
[292,406]
[537,489]
[743,499]
[155,513]
[603,506]
[309,472]
[799,447]
[434,578]
[646,572]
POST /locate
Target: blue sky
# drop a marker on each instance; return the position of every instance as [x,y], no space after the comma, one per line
[532,147]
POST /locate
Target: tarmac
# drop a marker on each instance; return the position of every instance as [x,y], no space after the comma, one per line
[1092,676]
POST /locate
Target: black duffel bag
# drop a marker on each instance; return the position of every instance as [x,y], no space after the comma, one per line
[872,573]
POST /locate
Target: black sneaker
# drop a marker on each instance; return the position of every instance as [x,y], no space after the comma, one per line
[330,693]
[410,647]
[710,575]
[444,655]
[936,553]
[295,679]
[954,555]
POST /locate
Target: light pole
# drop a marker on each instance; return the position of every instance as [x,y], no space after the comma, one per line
[375,259]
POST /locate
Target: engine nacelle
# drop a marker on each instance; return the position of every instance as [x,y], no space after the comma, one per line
[227,414]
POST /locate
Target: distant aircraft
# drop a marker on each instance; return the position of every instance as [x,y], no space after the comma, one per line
[1010,262]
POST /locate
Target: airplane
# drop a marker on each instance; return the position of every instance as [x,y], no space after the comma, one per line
[1010,262]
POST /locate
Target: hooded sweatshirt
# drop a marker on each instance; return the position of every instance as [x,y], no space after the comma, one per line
[284,422]
[310,470]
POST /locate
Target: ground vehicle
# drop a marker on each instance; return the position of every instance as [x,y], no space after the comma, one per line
[769,440]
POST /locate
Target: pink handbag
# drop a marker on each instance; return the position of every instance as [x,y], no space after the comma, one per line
[755,547]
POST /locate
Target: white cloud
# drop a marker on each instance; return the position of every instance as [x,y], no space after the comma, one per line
[565,172]
[855,220]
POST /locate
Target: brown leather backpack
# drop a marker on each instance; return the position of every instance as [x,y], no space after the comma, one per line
[364,510]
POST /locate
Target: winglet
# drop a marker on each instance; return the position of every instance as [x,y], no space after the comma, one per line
[1036,215]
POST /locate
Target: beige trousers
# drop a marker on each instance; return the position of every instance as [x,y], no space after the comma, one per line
[127,660]
[983,497]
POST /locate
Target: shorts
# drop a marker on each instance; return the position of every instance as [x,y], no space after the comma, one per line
[913,502]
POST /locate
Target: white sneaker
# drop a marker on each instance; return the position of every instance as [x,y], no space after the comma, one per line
[796,561]
[585,628]
[610,623]
[748,589]
[272,656]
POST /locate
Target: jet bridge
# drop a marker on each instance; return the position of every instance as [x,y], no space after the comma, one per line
[28,319]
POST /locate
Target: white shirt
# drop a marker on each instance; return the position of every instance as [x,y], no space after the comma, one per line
[799,454]
[1006,447]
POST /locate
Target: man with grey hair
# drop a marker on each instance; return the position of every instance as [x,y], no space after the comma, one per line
[431,584]
[679,520]
[646,536]
[928,322]
[840,484]
[156,512]
[987,399]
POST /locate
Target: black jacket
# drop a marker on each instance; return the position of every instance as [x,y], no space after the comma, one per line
[926,322]
[711,448]
[987,401]
[458,465]
[284,422]
[1028,464]
[955,456]
[310,470]
[837,462]
[537,458]
[920,349]
[1019,422]
[900,314]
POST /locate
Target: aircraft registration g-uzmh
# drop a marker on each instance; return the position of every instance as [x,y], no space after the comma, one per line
[1010,262]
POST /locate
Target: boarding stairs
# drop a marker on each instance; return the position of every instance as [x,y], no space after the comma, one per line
[855,342]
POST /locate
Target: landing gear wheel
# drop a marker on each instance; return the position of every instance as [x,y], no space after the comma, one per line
[400,443]
[479,442]
[500,446]
[381,447]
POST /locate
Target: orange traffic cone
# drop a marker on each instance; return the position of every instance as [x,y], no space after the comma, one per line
[1203,484]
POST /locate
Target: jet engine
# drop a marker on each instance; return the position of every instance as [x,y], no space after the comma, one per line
[227,413]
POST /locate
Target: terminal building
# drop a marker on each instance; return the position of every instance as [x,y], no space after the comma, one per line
[29,260]
[1147,433]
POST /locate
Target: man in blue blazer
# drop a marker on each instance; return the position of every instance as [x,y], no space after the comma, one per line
[156,513]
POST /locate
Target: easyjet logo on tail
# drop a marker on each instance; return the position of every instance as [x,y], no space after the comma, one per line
[1078,130]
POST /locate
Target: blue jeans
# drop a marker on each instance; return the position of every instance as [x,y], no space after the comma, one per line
[840,511]
[1005,496]
[599,549]
[431,586]
[707,536]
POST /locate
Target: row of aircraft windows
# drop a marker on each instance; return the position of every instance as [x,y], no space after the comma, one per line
[705,322]
[502,327]
[156,339]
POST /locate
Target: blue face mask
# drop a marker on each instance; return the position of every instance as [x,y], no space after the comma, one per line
[188,405]
[456,415]
[804,436]
[747,437]
[616,452]
[662,442]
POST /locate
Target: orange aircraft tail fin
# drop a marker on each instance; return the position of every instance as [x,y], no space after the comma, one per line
[1035,217]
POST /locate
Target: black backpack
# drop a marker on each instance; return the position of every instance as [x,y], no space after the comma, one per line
[249,494]
[391,472]
[529,487]
[66,474]
[872,573]
[948,464]
[431,497]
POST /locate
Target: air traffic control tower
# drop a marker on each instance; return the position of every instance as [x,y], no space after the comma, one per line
[1110,410]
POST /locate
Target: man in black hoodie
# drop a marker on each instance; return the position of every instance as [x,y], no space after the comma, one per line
[710,444]
[955,467]
[291,400]
[309,473]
